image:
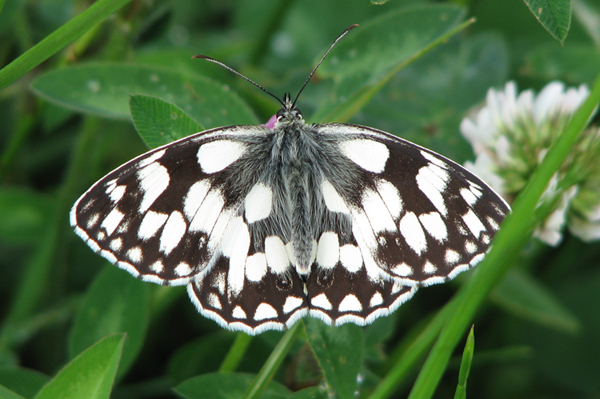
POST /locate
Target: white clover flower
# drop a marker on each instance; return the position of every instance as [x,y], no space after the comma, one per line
[511,135]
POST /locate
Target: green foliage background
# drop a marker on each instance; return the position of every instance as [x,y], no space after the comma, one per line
[80,80]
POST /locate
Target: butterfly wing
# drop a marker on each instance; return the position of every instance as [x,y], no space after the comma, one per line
[178,215]
[417,219]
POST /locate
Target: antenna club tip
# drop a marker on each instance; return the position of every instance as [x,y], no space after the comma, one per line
[199,56]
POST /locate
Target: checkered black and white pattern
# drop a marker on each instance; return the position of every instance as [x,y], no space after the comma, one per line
[267,225]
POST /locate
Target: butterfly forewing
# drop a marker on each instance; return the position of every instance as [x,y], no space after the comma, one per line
[161,215]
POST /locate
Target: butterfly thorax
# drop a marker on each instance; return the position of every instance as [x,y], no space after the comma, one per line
[298,178]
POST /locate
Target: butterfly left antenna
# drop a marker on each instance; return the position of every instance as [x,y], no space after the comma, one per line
[204,57]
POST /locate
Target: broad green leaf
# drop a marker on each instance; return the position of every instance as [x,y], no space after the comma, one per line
[160,122]
[371,54]
[554,15]
[340,352]
[116,302]
[226,386]
[575,64]
[90,375]
[465,366]
[24,215]
[25,382]
[527,298]
[6,393]
[105,89]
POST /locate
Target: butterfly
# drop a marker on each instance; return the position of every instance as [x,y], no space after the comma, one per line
[267,224]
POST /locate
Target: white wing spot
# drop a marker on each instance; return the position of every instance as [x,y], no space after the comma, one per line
[93,220]
[151,223]
[213,300]
[239,313]
[432,185]
[258,203]
[194,198]
[402,270]
[277,258]
[435,226]
[157,267]
[376,300]
[429,268]
[350,303]
[235,245]
[208,213]
[470,247]
[183,269]
[157,155]
[219,283]
[217,155]
[256,267]
[434,159]
[292,303]
[377,212]
[172,233]
[135,254]
[321,301]
[154,180]
[112,220]
[333,200]
[116,244]
[351,258]
[451,257]
[118,193]
[473,223]
[328,250]
[368,154]
[468,196]
[495,226]
[413,233]
[390,195]
[265,311]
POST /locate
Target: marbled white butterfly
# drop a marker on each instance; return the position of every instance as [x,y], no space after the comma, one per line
[266,224]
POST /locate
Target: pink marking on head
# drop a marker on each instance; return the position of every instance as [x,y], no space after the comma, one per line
[271,123]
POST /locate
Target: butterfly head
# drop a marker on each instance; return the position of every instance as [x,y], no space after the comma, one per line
[288,113]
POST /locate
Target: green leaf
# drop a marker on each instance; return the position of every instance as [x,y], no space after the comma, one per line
[554,15]
[90,375]
[527,298]
[115,303]
[370,55]
[105,89]
[58,39]
[340,352]
[23,381]
[160,122]
[226,386]
[465,366]
[24,215]
[6,393]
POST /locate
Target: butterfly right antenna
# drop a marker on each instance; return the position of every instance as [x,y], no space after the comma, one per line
[322,59]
